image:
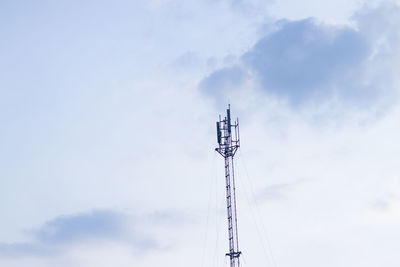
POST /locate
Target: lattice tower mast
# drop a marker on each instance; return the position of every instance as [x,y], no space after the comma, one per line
[228,143]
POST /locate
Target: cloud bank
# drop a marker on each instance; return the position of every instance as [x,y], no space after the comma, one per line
[307,62]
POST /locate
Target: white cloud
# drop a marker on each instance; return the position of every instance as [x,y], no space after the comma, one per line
[127,131]
[312,64]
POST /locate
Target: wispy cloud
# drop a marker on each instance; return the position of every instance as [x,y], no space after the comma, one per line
[169,217]
[250,7]
[73,228]
[56,235]
[278,191]
[224,80]
[274,192]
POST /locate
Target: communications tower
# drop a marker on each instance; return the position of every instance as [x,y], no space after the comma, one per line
[228,143]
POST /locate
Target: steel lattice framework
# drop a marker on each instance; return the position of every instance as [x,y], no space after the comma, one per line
[228,143]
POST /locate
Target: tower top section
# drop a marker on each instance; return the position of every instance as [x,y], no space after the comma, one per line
[227,135]
[228,144]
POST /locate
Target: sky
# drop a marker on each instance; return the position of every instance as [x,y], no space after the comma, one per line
[108,113]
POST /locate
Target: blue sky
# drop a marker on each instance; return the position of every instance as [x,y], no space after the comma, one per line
[108,112]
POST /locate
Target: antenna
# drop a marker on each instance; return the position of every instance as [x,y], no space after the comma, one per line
[228,144]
